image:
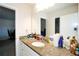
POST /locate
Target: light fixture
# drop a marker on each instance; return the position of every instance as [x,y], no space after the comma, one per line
[44,4]
[75,26]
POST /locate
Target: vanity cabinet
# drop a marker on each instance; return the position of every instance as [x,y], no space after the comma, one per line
[24,50]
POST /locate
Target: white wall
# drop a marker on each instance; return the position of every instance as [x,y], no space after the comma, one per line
[67,24]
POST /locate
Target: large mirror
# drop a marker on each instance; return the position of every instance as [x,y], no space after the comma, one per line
[61,18]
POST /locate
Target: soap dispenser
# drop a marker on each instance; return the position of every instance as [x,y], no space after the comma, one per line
[60,42]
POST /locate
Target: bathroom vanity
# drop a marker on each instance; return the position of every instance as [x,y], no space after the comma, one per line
[27,49]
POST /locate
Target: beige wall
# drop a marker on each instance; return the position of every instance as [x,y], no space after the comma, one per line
[23,20]
[34,20]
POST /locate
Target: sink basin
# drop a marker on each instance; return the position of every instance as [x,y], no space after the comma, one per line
[38,44]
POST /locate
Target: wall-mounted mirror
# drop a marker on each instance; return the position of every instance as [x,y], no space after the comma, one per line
[61,18]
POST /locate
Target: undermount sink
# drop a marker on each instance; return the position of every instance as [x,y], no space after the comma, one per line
[38,44]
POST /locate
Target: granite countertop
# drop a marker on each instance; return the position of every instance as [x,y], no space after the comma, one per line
[48,50]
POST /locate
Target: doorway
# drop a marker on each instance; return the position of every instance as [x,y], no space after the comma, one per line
[7,31]
[43,27]
[57,25]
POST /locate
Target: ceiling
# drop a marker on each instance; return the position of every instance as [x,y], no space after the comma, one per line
[58,6]
[53,7]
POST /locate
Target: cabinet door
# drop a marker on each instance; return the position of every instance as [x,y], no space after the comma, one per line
[24,50]
[19,48]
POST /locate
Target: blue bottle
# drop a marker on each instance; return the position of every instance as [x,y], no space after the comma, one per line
[60,42]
